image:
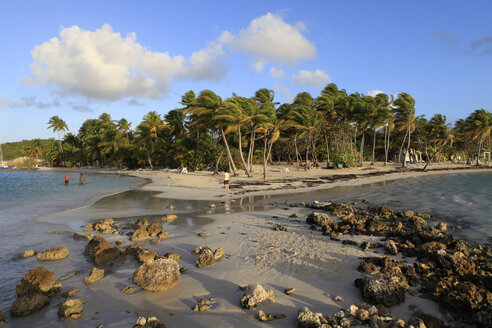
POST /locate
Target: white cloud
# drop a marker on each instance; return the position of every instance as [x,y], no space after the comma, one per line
[373,93]
[284,91]
[102,64]
[277,72]
[270,39]
[314,79]
[29,102]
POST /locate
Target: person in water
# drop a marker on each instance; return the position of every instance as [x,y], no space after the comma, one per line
[226,181]
[82,179]
[67,179]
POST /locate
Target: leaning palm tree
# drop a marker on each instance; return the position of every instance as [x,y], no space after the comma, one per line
[480,127]
[440,134]
[58,126]
[405,118]
[148,131]
[125,127]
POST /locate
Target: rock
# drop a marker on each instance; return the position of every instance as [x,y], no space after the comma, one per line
[2,316]
[119,242]
[140,234]
[352,310]
[71,292]
[154,229]
[367,267]
[441,226]
[95,275]
[257,296]
[95,245]
[169,218]
[173,256]
[206,259]
[345,322]
[38,280]
[27,253]
[202,234]
[27,304]
[68,276]
[308,319]
[390,247]
[132,249]
[338,298]
[157,275]
[408,214]
[69,307]
[262,316]
[362,315]
[141,321]
[128,290]
[142,222]
[218,253]
[107,255]
[171,207]
[280,227]
[293,215]
[146,255]
[182,270]
[202,305]
[289,291]
[163,235]
[53,254]
[78,235]
[318,219]
[383,289]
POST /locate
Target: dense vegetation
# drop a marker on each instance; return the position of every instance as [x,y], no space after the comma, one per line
[209,132]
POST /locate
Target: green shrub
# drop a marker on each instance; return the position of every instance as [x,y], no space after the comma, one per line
[342,157]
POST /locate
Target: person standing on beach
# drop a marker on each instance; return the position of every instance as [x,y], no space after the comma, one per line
[67,179]
[226,181]
[82,179]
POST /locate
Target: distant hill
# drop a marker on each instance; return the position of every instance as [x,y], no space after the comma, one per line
[12,150]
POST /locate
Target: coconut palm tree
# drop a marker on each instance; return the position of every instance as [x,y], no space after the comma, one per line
[480,127]
[405,117]
[177,124]
[58,126]
[148,131]
[124,127]
[35,148]
[440,134]
[379,118]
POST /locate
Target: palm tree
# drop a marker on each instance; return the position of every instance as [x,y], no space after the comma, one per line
[125,127]
[58,125]
[480,127]
[380,117]
[405,117]
[148,130]
[236,112]
[35,148]
[176,121]
[440,134]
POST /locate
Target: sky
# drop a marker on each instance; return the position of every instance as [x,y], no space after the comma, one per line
[79,59]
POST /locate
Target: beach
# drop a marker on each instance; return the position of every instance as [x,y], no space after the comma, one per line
[242,223]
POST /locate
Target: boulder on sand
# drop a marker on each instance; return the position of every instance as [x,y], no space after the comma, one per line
[157,275]
[106,255]
[27,304]
[53,254]
[146,255]
[154,229]
[140,234]
[383,289]
[27,253]
[257,295]
[70,307]
[38,280]
[308,319]
[95,275]
[101,251]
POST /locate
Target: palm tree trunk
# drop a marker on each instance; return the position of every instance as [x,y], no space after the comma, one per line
[269,157]
[374,147]
[297,152]
[229,156]
[217,162]
[479,146]
[327,151]
[433,155]
[401,147]
[241,152]
[252,151]
[386,128]
[264,156]
[307,157]
[361,149]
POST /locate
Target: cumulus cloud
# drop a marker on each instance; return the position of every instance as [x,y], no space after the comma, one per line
[373,93]
[314,79]
[284,91]
[277,72]
[104,65]
[270,39]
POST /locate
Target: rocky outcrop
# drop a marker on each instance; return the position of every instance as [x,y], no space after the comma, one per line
[203,305]
[150,322]
[146,255]
[27,253]
[383,289]
[53,254]
[28,304]
[33,292]
[157,275]
[140,234]
[101,251]
[95,275]
[105,226]
[308,319]
[71,307]
[258,295]
[154,229]
[169,218]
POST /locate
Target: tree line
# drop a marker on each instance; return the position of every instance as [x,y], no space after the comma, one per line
[208,132]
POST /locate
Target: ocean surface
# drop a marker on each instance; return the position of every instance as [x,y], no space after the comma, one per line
[35,213]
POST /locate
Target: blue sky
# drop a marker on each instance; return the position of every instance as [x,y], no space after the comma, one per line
[80,59]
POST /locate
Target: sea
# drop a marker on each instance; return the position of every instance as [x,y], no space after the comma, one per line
[36,210]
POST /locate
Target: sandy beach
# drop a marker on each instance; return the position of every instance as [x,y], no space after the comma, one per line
[242,223]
